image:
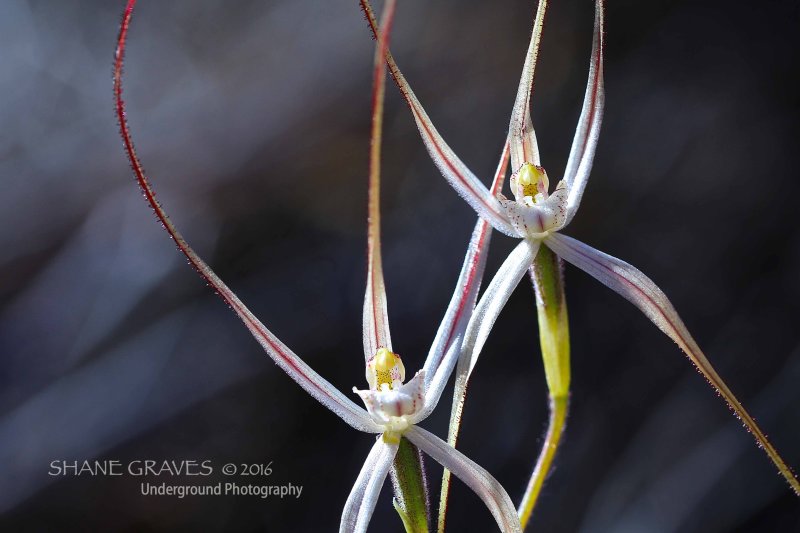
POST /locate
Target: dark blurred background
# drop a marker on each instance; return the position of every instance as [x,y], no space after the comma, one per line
[252,119]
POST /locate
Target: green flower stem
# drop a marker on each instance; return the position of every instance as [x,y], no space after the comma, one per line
[411,499]
[547,274]
[555,428]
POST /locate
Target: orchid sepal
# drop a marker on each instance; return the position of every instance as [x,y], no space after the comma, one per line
[290,363]
[521,134]
[492,302]
[587,134]
[630,283]
[363,496]
[460,177]
[450,335]
[478,479]
[376,334]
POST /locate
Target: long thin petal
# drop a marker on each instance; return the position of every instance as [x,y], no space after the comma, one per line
[492,302]
[375,484]
[644,294]
[361,502]
[298,370]
[356,497]
[376,319]
[480,325]
[581,155]
[479,480]
[446,345]
[451,167]
[355,500]
[488,309]
[524,147]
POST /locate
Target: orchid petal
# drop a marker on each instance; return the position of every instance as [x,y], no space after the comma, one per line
[479,480]
[584,144]
[524,147]
[290,363]
[373,488]
[462,304]
[492,302]
[356,497]
[446,345]
[452,168]
[364,495]
[376,320]
[638,289]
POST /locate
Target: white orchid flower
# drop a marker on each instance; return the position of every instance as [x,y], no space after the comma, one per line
[393,409]
[537,215]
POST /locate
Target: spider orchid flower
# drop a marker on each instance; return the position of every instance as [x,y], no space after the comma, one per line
[536,215]
[393,409]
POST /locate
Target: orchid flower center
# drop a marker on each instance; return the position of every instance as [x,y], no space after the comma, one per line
[391,403]
[535,213]
[385,370]
[530,185]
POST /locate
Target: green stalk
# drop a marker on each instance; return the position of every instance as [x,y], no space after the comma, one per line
[410,488]
[547,274]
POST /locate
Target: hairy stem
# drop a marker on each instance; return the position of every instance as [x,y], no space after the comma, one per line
[547,275]
[555,428]
[411,499]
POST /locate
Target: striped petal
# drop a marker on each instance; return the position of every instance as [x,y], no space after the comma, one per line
[356,497]
[638,289]
[361,503]
[446,345]
[492,302]
[375,317]
[298,370]
[452,168]
[479,480]
[584,144]
[521,134]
